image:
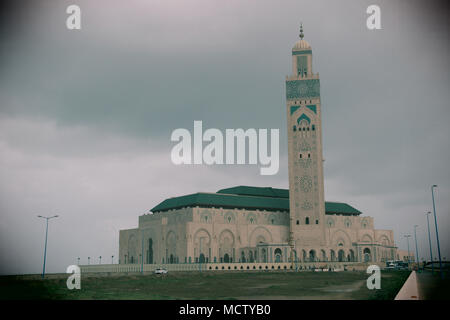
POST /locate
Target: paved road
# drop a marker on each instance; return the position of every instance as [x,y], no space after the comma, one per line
[432,287]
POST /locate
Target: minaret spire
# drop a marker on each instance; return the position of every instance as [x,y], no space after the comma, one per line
[301,31]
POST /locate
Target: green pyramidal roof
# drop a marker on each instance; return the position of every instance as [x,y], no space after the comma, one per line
[243,197]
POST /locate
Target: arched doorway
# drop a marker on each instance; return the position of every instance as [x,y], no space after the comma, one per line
[264,255]
[341,255]
[278,255]
[150,251]
[332,255]
[352,255]
[243,257]
[226,258]
[226,245]
[171,247]
[202,258]
[312,255]
[367,255]
[324,255]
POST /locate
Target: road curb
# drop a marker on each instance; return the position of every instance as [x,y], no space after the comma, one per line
[409,291]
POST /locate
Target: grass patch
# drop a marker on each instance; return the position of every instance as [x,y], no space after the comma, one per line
[206,285]
[391,283]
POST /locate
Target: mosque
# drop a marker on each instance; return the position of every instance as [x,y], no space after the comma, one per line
[246,224]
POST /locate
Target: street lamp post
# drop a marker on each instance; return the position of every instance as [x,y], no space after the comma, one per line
[200,254]
[417,250]
[437,234]
[429,241]
[407,236]
[45,246]
[142,252]
[112,259]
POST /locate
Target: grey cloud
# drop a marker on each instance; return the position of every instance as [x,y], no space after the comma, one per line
[86,117]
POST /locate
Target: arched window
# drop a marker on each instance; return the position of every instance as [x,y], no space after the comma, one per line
[367,255]
[330,222]
[264,255]
[307,220]
[278,255]
[312,255]
[341,255]
[347,223]
[298,221]
[294,128]
[150,251]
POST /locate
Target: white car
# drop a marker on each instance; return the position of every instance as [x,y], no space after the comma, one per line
[390,266]
[161,271]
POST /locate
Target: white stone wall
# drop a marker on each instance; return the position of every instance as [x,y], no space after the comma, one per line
[177,234]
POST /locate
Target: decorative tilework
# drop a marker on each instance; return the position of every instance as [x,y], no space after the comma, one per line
[303,145]
[296,89]
[307,205]
[305,163]
[306,183]
[312,107]
[294,108]
[302,65]
[303,116]
[295,53]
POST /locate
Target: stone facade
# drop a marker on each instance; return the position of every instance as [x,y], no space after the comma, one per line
[197,234]
[302,231]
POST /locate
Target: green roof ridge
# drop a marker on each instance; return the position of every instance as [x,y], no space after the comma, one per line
[245,197]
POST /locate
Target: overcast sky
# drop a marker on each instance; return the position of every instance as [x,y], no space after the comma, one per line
[86,116]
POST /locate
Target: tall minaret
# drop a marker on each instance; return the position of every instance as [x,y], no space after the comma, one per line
[306,190]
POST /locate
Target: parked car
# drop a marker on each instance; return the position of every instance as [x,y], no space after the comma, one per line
[396,265]
[161,271]
[390,266]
